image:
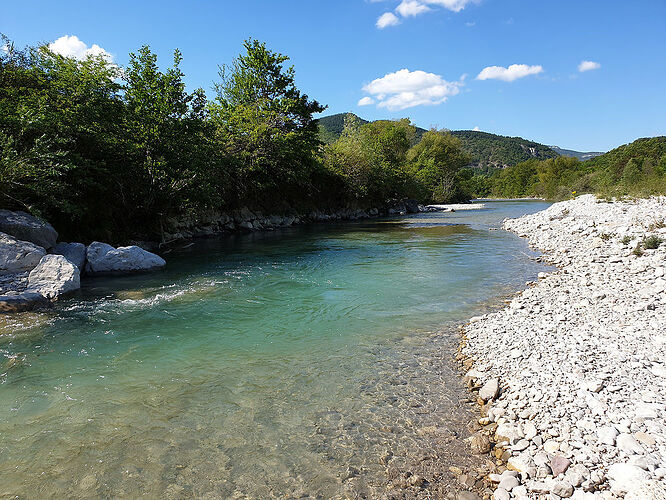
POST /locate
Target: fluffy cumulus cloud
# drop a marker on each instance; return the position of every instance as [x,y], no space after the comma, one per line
[406,89]
[71,46]
[513,72]
[588,66]
[387,19]
[366,101]
[412,8]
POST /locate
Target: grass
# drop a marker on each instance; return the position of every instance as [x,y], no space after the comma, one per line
[638,251]
[626,240]
[605,236]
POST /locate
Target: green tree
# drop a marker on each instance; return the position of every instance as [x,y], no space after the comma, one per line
[435,161]
[266,124]
[169,138]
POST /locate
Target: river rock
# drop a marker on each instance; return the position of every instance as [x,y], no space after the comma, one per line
[626,477]
[26,227]
[73,252]
[628,444]
[490,390]
[54,276]
[480,444]
[17,255]
[105,259]
[559,465]
[21,301]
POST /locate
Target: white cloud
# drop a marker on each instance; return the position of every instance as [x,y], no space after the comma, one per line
[453,5]
[387,19]
[588,66]
[366,101]
[476,129]
[71,46]
[406,89]
[470,24]
[5,48]
[509,74]
[411,8]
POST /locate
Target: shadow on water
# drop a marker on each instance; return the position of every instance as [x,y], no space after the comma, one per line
[306,362]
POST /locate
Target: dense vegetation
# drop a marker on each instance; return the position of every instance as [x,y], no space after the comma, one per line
[115,153]
[485,150]
[636,169]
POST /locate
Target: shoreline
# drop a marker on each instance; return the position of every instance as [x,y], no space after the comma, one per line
[572,373]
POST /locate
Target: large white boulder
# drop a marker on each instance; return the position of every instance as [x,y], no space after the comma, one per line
[105,259]
[54,276]
[73,252]
[18,256]
[26,227]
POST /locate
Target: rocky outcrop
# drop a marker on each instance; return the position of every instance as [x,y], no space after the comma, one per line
[22,301]
[26,227]
[105,259]
[54,277]
[17,256]
[73,252]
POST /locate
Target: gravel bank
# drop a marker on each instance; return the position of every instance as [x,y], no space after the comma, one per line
[580,358]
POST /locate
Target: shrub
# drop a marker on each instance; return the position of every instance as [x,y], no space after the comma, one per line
[652,242]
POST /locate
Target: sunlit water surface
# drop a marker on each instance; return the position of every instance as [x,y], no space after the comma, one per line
[309,362]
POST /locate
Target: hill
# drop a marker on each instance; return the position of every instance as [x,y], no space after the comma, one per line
[491,150]
[576,154]
[485,149]
[635,169]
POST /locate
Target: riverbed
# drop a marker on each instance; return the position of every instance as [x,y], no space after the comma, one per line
[309,362]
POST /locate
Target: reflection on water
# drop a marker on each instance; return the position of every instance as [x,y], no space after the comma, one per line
[311,362]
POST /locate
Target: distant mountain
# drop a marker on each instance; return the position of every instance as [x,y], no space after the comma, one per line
[485,149]
[575,154]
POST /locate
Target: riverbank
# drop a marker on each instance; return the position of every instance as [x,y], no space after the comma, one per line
[573,371]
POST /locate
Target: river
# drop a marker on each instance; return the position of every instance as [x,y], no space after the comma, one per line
[312,362]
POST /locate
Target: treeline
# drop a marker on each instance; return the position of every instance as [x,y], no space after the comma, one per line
[108,152]
[636,169]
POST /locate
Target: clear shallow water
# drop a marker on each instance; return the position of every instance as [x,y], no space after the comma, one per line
[310,362]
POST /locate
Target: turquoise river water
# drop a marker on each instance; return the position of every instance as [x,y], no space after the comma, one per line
[311,362]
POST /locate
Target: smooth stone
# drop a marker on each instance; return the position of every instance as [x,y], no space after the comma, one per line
[501,494]
[73,252]
[54,276]
[26,227]
[562,489]
[490,390]
[480,444]
[607,435]
[559,465]
[625,477]
[104,259]
[509,483]
[18,256]
[628,444]
[20,302]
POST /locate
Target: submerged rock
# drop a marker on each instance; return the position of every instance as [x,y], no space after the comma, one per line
[17,256]
[105,259]
[54,276]
[26,227]
[73,252]
[21,301]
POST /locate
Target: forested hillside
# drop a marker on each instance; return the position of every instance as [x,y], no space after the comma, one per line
[636,169]
[484,149]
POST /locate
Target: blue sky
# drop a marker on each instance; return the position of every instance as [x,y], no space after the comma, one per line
[425,64]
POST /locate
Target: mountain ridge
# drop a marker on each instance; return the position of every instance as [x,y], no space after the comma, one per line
[486,149]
